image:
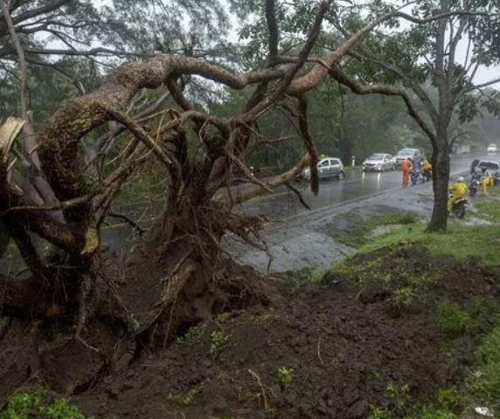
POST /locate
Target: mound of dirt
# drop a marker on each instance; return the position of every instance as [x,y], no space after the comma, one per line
[328,350]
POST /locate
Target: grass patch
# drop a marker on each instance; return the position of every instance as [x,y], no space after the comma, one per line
[452,319]
[361,232]
[460,241]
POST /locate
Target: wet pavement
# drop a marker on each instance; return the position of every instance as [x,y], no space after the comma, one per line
[297,238]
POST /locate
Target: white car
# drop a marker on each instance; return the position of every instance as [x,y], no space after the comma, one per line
[492,148]
[379,162]
[327,167]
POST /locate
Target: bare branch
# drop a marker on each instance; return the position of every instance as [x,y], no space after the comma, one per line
[29,132]
[255,190]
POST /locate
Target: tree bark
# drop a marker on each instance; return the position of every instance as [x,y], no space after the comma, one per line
[441,177]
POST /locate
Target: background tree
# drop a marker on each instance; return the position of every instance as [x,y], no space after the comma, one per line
[420,54]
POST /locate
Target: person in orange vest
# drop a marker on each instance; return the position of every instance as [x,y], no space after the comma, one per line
[406,167]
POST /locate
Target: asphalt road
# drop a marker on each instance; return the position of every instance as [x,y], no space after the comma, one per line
[297,238]
[357,184]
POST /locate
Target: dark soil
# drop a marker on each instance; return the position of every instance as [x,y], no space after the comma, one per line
[345,344]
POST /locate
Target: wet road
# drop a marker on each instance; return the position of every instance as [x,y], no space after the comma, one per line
[357,184]
[284,204]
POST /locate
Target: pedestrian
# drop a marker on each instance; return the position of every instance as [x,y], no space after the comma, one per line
[406,167]
[485,180]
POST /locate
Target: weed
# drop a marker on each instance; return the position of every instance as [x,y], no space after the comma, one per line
[452,320]
[219,340]
[448,399]
[399,395]
[192,336]
[379,413]
[37,405]
[183,399]
[403,298]
[285,377]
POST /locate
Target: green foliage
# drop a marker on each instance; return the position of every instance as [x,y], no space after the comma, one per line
[192,336]
[285,376]
[403,298]
[37,405]
[218,341]
[183,399]
[452,319]
[484,383]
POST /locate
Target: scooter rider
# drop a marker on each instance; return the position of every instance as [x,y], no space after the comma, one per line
[458,190]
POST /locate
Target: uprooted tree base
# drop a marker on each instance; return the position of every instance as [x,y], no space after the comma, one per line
[346,350]
[141,303]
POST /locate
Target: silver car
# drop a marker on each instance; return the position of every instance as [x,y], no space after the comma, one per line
[379,162]
[412,153]
[328,167]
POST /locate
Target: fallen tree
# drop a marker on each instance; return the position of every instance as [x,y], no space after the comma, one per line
[69,281]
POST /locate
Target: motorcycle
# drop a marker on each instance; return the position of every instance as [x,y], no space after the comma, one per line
[459,207]
[416,176]
[420,176]
[474,184]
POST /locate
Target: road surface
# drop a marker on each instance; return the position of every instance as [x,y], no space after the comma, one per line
[297,238]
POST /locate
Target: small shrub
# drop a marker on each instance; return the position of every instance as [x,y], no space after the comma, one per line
[192,336]
[219,340]
[37,405]
[403,298]
[452,320]
[285,377]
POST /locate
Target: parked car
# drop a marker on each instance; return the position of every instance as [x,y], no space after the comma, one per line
[492,166]
[492,148]
[327,167]
[379,162]
[412,153]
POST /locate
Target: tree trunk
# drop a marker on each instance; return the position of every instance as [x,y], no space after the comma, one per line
[440,179]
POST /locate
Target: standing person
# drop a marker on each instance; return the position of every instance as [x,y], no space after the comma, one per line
[406,167]
[427,169]
[486,180]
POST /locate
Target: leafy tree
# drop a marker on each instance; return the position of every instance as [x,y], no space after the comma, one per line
[429,53]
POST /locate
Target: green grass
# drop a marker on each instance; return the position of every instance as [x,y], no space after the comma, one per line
[462,240]
[452,319]
[360,234]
